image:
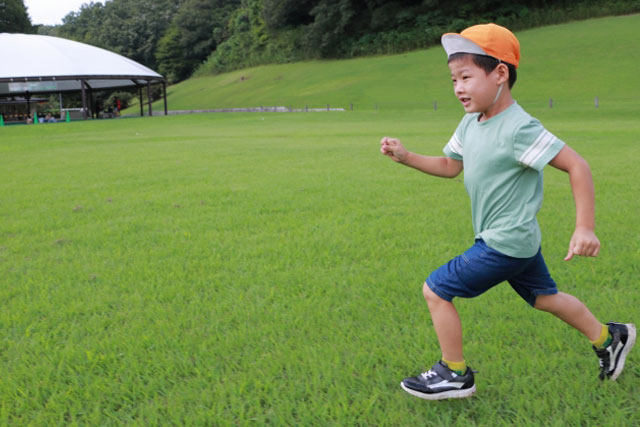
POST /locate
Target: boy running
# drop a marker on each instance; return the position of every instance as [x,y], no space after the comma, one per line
[503,151]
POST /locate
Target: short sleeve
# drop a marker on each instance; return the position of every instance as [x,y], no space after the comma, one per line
[453,148]
[535,146]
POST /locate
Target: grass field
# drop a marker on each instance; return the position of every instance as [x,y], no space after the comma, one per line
[245,269]
[253,269]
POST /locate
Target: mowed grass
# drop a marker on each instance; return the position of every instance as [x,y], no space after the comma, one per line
[257,269]
[253,269]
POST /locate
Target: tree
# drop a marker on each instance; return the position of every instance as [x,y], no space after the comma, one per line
[84,25]
[131,28]
[14,17]
[332,21]
[279,14]
[170,56]
[247,39]
[195,31]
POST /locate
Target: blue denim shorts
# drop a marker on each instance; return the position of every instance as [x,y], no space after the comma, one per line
[480,268]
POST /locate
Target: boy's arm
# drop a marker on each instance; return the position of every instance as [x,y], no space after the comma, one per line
[584,241]
[445,167]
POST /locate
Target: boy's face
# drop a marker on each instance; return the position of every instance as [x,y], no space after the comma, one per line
[473,87]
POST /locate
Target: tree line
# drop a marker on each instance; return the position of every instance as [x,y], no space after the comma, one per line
[181,37]
[14,17]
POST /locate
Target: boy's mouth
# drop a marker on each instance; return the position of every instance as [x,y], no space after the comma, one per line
[465,101]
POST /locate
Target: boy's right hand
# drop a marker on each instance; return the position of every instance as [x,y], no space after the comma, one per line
[583,243]
[393,148]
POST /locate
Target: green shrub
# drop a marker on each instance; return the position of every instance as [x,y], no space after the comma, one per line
[125,98]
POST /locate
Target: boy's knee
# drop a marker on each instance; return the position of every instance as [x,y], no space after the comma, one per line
[545,302]
[426,291]
[430,296]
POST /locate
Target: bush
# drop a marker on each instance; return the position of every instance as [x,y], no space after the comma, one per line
[125,98]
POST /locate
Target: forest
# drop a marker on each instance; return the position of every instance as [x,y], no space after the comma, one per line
[180,38]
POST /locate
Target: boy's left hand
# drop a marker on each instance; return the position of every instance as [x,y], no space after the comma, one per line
[583,243]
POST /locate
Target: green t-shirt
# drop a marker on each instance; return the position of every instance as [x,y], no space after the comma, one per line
[503,159]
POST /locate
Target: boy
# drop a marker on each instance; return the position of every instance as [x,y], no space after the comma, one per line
[503,151]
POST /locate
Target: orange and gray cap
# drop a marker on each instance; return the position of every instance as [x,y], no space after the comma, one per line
[487,39]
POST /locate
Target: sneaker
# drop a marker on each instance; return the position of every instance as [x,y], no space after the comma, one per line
[612,357]
[440,382]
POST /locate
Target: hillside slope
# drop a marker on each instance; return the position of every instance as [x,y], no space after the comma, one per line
[571,63]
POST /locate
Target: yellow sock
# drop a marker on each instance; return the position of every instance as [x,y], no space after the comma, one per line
[457,367]
[604,334]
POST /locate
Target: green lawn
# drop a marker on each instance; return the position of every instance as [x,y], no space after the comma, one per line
[266,268]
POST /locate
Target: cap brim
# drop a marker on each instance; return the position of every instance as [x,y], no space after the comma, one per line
[455,43]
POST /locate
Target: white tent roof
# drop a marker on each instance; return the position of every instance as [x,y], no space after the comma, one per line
[44,64]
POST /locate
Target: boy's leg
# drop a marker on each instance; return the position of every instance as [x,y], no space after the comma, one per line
[468,275]
[572,311]
[620,337]
[446,322]
[442,381]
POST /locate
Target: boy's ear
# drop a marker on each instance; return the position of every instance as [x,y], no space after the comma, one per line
[503,73]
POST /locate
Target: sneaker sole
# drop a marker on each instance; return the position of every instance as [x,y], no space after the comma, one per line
[450,394]
[631,340]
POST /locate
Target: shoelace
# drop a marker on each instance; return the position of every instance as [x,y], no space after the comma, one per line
[603,371]
[604,361]
[603,357]
[429,373]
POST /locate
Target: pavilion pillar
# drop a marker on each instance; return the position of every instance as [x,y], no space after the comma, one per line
[149,97]
[84,100]
[28,98]
[141,103]
[164,91]
[92,104]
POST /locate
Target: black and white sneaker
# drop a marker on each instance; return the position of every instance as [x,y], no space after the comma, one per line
[612,357]
[440,382]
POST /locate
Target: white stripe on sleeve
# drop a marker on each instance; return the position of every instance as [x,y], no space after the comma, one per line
[539,147]
[455,145]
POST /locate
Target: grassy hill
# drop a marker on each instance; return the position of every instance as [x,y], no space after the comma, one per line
[571,63]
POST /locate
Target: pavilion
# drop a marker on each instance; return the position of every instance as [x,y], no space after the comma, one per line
[38,65]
